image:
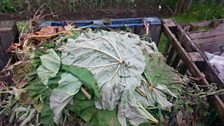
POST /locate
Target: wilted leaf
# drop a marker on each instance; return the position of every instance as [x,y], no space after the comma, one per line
[86,77]
[49,67]
[28,118]
[133,110]
[161,99]
[164,89]
[68,86]
[160,73]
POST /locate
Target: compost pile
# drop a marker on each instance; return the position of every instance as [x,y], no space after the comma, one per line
[70,76]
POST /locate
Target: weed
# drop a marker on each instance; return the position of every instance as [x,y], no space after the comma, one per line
[7,6]
[202,12]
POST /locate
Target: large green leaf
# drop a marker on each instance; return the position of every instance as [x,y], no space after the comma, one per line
[85,109]
[68,86]
[161,82]
[38,90]
[133,110]
[86,77]
[50,65]
[160,73]
[115,59]
[47,115]
[104,118]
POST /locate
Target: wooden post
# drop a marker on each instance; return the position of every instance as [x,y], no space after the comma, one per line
[8,33]
[182,6]
[2,56]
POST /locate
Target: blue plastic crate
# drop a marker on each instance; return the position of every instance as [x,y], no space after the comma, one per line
[135,23]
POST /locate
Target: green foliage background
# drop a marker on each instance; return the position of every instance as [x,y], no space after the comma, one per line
[7,6]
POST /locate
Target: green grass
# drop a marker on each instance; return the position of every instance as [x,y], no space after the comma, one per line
[171,3]
[207,11]
[162,42]
[7,6]
[22,26]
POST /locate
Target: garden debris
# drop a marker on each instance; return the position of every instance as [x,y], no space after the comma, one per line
[217,62]
[97,77]
[45,33]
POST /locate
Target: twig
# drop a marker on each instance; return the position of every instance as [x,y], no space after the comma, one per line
[85,93]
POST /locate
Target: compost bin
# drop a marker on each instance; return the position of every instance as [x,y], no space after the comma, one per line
[98,72]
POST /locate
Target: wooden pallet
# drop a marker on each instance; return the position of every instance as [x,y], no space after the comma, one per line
[183,53]
[8,33]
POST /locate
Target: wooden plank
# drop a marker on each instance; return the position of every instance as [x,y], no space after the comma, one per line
[195,56]
[155,32]
[191,66]
[3,58]
[206,23]
[219,38]
[218,103]
[211,47]
[196,49]
[196,27]
[169,22]
[201,24]
[186,45]
[182,6]
[219,106]
[5,29]
[182,53]
[207,34]
[7,24]
[8,32]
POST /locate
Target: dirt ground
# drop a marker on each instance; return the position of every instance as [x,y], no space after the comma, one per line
[94,14]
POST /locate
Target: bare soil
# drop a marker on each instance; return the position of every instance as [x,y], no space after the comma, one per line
[93,14]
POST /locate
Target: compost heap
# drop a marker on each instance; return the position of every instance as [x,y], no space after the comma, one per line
[88,77]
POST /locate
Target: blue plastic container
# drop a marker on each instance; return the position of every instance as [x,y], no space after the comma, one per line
[136,24]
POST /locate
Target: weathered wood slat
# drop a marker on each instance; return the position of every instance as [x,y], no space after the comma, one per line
[219,38]
[211,47]
[207,34]
[196,49]
[8,31]
[201,24]
[204,23]
[182,53]
[3,57]
[218,103]
[169,22]
[195,56]
[190,65]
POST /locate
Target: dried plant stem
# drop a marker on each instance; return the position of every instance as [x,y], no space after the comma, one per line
[85,93]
